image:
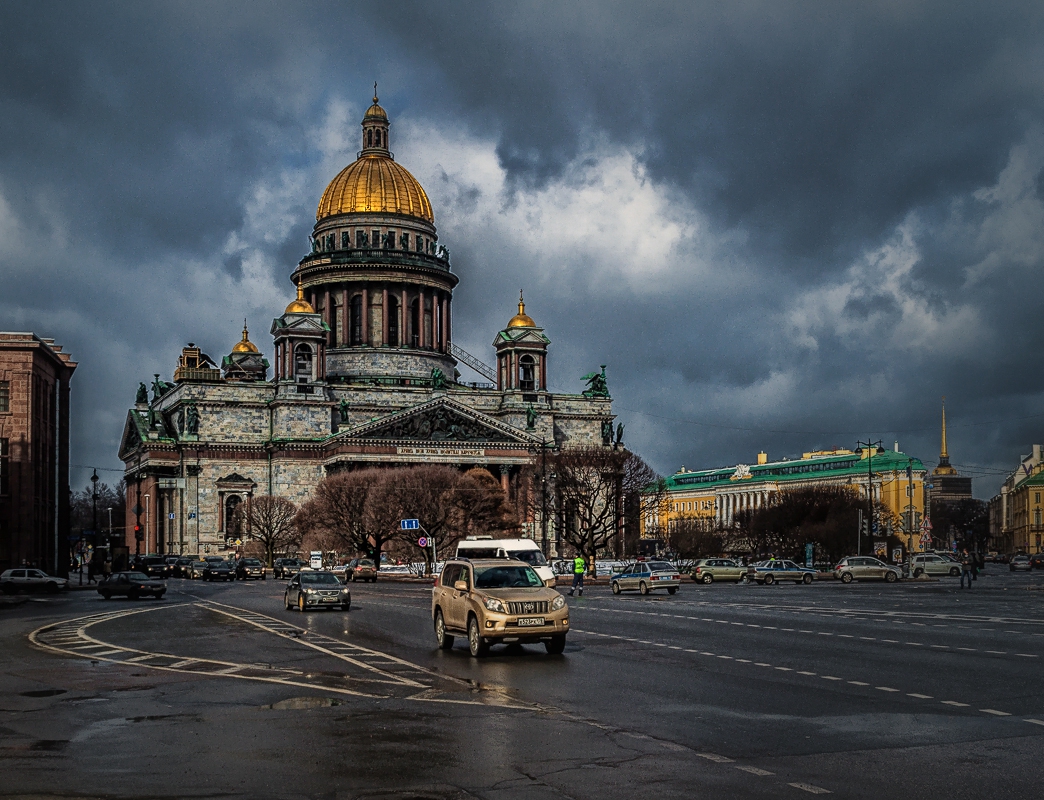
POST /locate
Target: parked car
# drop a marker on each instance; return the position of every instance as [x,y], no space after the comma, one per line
[1020,563]
[131,584]
[248,568]
[494,601]
[220,570]
[30,580]
[934,564]
[708,570]
[865,568]
[1037,560]
[646,576]
[196,569]
[316,589]
[780,569]
[287,567]
[361,569]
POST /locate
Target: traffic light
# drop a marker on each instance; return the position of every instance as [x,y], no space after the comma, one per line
[866,527]
[138,534]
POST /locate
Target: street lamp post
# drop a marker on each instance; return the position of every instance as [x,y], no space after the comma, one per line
[870,447]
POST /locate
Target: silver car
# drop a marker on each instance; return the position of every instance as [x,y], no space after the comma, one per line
[316,589]
[934,564]
[865,568]
[1020,562]
[780,569]
[646,576]
[30,580]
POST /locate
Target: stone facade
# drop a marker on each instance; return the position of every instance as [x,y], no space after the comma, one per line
[364,374]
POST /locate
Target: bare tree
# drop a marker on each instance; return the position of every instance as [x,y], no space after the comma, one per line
[588,482]
[269,521]
[341,505]
[643,491]
[691,538]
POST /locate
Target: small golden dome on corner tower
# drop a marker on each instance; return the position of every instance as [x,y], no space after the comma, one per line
[521,319]
[300,305]
[245,345]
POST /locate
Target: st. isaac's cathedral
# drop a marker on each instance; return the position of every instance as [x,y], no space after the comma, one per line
[364,373]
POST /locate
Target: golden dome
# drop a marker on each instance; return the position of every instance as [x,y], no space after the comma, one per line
[375,111]
[376,184]
[300,305]
[521,319]
[245,346]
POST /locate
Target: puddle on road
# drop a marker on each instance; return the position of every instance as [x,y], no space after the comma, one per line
[304,703]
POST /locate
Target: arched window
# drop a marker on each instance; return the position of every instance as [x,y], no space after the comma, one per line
[527,373]
[233,523]
[303,362]
[415,322]
[369,138]
[377,137]
[355,325]
[393,321]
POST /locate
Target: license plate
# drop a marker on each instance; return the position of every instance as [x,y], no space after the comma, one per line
[329,599]
[530,622]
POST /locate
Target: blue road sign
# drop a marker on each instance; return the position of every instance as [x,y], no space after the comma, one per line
[409,524]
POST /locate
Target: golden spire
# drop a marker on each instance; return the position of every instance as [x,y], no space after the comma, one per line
[521,319]
[943,454]
[300,305]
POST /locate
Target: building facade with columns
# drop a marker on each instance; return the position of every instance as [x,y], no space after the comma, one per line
[363,373]
[721,494]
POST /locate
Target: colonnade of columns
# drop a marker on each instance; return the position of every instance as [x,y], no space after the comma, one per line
[430,329]
[729,504]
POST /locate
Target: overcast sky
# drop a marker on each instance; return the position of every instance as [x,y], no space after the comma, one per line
[781,225]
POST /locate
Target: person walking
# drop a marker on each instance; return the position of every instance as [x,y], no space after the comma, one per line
[579,568]
[966,568]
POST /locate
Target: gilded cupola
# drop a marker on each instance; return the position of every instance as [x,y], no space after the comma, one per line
[245,345]
[521,319]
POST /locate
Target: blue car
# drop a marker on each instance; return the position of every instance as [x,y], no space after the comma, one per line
[778,569]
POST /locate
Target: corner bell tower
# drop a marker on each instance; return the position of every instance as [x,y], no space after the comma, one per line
[300,343]
[521,354]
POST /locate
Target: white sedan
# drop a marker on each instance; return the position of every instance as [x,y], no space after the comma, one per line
[30,580]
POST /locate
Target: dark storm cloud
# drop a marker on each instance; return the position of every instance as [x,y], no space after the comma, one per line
[865,178]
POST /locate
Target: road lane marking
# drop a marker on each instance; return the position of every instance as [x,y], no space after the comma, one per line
[808,787]
[829,678]
[716,758]
[886,689]
[859,683]
[1035,721]
[994,712]
[919,696]
[954,703]
[761,773]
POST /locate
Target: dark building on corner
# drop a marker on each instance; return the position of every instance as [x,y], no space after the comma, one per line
[34,452]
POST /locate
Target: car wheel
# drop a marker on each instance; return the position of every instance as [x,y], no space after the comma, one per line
[555,646]
[954,572]
[476,644]
[373,579]
[616,588]
[8,589]
[347,605]
[846,577]
[672,590]
[918,573]
[890,577]
[643,587]
[769,580]
[444,640]
[807,580]
[708,578]
[286,601]
[106,595]
[300,603]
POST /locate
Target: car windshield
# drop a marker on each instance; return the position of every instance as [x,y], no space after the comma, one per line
[137,576]
[323,578]
[365,562]
[532,557]
[660,566]
[506,577]
[251,562]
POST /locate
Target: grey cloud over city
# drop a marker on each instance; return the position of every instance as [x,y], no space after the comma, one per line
[780,225]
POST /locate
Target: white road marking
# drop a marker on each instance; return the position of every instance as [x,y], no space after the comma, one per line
[784,669]
[954,703]
[995,712]
[858,683]
[1034,721]
[886,689]
[806,673]
[761,773]
[716,758]
[829,678]
[808,787]
[919,696]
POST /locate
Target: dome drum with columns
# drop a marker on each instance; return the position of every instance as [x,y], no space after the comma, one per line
[364,372]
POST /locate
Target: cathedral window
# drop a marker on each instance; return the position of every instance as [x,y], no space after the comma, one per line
[303,362]
[346,240]
[377,137]
[369,138]
[360,239]
[5,396]
[415,322]
[389,241]
[404,241]
[232,517]
[355,325]
[375,239]
[393,321]
[338,307]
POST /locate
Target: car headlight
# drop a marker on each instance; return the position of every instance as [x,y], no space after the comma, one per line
[344,591]
[494,604]
[557,603]
[309,591]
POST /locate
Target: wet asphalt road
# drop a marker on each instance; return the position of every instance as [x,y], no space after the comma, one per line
[916,689]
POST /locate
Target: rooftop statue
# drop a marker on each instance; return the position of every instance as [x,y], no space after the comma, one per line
[438,378]
[596,384]
[142,395]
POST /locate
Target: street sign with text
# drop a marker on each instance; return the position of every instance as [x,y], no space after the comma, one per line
[409,524]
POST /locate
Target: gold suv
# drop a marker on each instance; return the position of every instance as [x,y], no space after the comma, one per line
[497,601]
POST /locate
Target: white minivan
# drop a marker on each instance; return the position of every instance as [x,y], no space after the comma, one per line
[522,549]
[315,559]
